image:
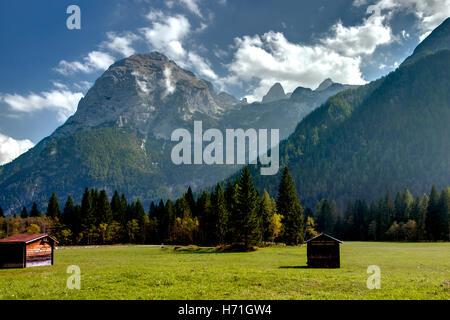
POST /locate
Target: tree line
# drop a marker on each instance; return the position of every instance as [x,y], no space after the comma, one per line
[403,218]
[234,213]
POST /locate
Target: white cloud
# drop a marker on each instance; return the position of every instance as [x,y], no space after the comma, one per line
[62,101]
[121,44]
[167,33]
[11,148]
[272,58]
[192,6]
[358,40]
[94,61]
[202,66]
[430,13]
[170,86]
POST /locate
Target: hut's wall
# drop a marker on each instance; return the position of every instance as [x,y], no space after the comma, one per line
[39,253]
[12,255]
[323,254]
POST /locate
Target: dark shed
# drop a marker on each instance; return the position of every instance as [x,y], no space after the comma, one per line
[27,250]
[323,252]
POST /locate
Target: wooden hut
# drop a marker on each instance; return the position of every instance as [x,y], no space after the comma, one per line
[323,252]
[27,250]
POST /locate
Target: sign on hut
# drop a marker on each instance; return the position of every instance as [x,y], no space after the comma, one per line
[27,250]
[323,252]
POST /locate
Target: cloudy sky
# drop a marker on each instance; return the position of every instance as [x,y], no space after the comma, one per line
[241,46]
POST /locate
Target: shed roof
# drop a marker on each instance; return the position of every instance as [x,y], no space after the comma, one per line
[324,235]
[25,238]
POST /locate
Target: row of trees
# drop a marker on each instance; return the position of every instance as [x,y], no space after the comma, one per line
[405,218]
[235,214]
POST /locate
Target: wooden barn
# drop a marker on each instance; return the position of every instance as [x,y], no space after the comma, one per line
[323,252]
[27,250]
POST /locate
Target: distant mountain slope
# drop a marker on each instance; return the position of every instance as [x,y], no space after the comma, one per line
[120,135]
[390,134]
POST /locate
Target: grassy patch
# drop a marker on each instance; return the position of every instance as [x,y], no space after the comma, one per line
[408,271]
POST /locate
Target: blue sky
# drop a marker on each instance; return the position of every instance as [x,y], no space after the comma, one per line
[241,46]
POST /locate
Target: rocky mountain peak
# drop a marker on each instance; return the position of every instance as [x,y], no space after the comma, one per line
[148,92]
[325,85]
[275,93]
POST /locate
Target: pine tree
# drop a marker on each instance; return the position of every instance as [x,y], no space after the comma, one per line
[208,222]
[34,211]
[87,211]
[288,205]
[265,213]
[167,219]
[432,218]
[116,207]
[220,211]
[191,201]
[105,214]
[444,211]
[152,211]
[70,218]
[53,210]
[2,214]
[324,217]
[387,214]
[24,213]
[122,214]
[245,219]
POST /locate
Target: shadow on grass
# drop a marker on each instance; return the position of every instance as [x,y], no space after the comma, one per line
[209,250]
[294,267]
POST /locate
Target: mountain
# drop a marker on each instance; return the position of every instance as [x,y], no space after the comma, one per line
[325,84]
[119,136]
[275,93]
[438,40]
[389,134]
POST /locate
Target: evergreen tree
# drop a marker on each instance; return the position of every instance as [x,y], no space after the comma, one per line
[265,213]
[87,211]
[167,219]
[2,214]
[432,219]
[444,212]
[245,219]
[53,210]
[122,214]
[191,201]
[34,211]
[288,205]
[105,214]
[163,218]
[152,211]
[70,218]
[207,219]
[324,217]
[387,214]
[24,213]
[116,207]
[220,211]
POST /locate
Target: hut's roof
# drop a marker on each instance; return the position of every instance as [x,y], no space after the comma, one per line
[324,235]
[26,238]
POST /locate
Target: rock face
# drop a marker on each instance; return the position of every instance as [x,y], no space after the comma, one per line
[325,84]
[119,136]
[275,93]
[148,92]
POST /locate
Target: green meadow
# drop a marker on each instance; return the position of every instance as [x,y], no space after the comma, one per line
[408,271]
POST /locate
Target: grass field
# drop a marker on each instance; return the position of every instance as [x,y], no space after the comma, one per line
[408,271]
